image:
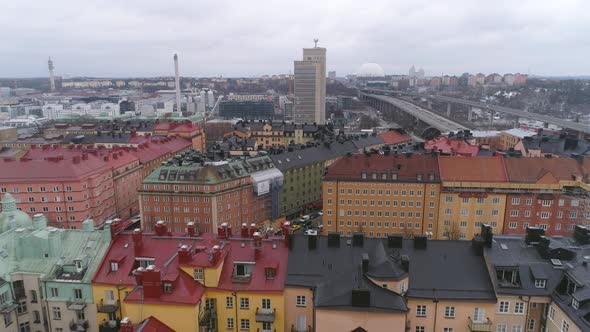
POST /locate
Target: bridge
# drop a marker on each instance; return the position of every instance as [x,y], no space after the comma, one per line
[579,127]
[419,120]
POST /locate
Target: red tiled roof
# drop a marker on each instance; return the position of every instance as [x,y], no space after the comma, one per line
[164,250]
[533,170]
[176,127]
[351,167]
[185,290]
[451,146]
[53,169]
[484,169]
[394,137]
[159,147]
[268,256]
[152,324]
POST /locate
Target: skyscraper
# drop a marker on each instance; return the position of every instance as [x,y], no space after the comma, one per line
[310,86]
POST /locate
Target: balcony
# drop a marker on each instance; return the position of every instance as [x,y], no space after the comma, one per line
[265,315]
[485,326]
[75,304]
[80,325]
[107,308]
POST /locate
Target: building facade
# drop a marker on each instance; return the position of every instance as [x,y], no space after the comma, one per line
[310,87]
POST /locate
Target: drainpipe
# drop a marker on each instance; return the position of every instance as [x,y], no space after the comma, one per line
[435,307]
[528,306]
[235,295]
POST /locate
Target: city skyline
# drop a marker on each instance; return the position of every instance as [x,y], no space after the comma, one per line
[122,40]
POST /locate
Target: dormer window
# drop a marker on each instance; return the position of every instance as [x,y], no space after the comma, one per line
[167,287]
[364,175]
[383,176]
[419,177]
[374,175]
[575,304]
[394,176]
[114,266]
[270,273]
[145,262]
[508,276]
[540,283]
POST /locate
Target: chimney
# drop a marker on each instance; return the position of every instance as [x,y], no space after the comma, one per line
[137,240]
[106,158]
[126,325]
[184,254]
[395,241]
[312,241]
[152,282]
[257,244]
[214,256]
[533,235]
[244,231]
[365,257]
[161,229]
[220,232]
[286,227]
[84,156]
[333,240]
[357,239]
[361,298]
[253,229]
[405,260]
[191,229]
[420,242]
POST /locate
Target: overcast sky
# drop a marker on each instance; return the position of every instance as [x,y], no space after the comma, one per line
[120,38]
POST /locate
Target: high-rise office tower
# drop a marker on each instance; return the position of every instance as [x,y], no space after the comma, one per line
[51,78]
[310,86]
[177,83]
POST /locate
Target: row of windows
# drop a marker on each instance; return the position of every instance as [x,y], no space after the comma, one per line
[380,192]
[385,224]
[546,202]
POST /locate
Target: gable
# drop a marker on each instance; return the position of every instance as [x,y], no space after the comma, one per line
[359,329]
[546,177]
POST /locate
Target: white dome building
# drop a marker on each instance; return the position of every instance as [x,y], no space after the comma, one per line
[370,70]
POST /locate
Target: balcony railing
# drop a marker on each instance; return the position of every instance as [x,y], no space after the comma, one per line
[75,304]
[206,316]
[80,325]
[485,326]
[107,308]
[265,315]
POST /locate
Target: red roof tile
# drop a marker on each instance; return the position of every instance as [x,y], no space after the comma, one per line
[394,137]
[483,169]
[451,146]
[185,290]
[152,324]
[533,170]
[406,167]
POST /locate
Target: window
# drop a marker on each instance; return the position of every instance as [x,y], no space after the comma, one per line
[575,304]
[516,201]
[448,329]
[266,326]
[24,327]
[551,313]
[167,287]
[449,312]
[516,328]
[80,315]
[230,323]
[420,329]
[420,310]
[33,297]
[540,283]
[519,308]
[56,312]
[504,307]
[266,304]
[198,274]
[54,292]
[114,266]
[544,215]
[565,326]
[244,303]
[301,301]
[449,199]
[514,213]
[244,324]
[501,328]
[530,325]
[229,302]
[78,293]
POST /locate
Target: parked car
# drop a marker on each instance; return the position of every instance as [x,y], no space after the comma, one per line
[305,217]
[311,232]
[295,227]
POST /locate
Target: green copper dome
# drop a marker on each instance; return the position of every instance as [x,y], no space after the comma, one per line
[11,217]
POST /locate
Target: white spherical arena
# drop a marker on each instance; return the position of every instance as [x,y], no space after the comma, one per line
[370,70]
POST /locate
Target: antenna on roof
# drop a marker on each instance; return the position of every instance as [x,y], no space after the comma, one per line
[315,41]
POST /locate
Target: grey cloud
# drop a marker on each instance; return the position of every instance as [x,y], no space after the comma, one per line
[244,38]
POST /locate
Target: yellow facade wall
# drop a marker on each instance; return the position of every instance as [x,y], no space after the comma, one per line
[255,301]
[211,274]
[99,293]
[293,311]
[342,320]
[460,218]
[380,208]
[435,314]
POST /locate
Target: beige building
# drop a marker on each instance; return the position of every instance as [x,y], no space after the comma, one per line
[310,86]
